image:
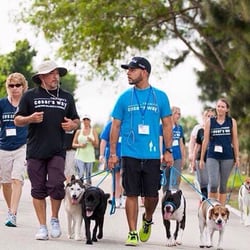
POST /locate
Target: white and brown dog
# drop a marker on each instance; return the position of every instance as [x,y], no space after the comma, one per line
[212,217]
[244,202]
[73,207]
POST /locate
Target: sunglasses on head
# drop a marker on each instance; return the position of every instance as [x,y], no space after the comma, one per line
[17,85]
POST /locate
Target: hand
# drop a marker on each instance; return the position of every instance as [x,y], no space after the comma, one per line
[68,124]
[112,161]
[36,117]
[168,159]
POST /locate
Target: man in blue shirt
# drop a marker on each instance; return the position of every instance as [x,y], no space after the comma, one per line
[136,116]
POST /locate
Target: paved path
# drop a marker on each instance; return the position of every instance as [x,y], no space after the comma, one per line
[115,228]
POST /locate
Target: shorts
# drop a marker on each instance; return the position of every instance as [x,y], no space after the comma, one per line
[47,177]
[141,177]
[70,163]
[13,164]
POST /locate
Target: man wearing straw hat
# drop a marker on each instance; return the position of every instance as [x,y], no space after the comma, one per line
[50,112]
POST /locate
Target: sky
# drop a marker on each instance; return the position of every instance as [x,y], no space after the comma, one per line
[97,97]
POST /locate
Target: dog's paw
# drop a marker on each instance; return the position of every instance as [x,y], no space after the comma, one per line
[89,242]
[209,246]
[99,236]
[202,246]
[171,243]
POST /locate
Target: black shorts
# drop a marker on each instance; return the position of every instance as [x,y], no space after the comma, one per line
[141,177]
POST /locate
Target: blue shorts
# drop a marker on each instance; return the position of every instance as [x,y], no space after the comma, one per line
[141,177]
[47,177]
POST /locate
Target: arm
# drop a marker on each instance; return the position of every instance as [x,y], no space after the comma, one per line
[21,121]
[69,125]
[103,145]
[167,136]
[114,136]
[75,143]
[235,143]
[95,142]
[205,142]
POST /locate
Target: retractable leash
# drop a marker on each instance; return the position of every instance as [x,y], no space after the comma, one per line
[163,181]
[113,205]
[172,178]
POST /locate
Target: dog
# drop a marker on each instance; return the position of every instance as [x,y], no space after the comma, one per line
[212,216]
[72,201]
[94,204]
[174,208]
[244,202]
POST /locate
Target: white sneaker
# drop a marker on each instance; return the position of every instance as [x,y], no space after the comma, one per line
[117,202]
[42,233]
[55,228]
[123,201]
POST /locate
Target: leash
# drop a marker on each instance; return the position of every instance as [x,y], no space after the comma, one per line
[106,175]
[193,186]
[113,205]
[236,171]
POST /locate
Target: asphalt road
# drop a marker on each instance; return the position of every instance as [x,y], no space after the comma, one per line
[236,236]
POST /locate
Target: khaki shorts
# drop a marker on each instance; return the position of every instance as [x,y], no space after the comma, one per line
[70,163]
[13,164]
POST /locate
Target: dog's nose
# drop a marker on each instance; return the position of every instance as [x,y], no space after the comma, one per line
[219,221]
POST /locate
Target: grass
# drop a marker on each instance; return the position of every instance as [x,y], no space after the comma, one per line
[233,185]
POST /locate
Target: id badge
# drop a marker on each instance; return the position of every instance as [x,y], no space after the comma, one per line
[143,129]
[218,149]
[10,131]
[175,143]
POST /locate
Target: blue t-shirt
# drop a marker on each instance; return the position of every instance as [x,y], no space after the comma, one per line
[220,142]
[11,137]
[105,136]
[177,136]
[140,111]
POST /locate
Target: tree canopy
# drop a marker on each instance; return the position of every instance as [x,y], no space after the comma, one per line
[101,32]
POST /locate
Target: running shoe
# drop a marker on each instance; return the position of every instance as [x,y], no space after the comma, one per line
[42,233]
[55,228]
[145,231]
[11,220]
[133,239]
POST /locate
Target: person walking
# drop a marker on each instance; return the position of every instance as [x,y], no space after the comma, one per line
[85,141]
[70,162]
[222,146]
[137,114]
[202,174]
[12,146]
[49,111]
[173,174]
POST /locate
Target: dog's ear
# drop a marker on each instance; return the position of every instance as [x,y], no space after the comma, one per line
[106,195]
[73,177]
[210,213]
[227,212]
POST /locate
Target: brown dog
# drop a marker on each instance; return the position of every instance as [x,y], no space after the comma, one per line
[212,217]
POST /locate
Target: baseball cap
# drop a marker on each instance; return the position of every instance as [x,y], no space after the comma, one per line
[138,62]
[86,116]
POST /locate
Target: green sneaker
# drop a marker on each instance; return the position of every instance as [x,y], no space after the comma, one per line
[132,239]
[145,231]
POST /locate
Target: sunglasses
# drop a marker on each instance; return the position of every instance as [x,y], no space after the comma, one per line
[18,85]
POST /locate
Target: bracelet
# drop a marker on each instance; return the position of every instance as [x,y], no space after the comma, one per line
[113,155]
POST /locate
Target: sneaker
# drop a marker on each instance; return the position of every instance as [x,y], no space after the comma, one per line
[11,220]
[42,233]
[145,231]
[55,228]
[117,202]
[123,201]
[132,239]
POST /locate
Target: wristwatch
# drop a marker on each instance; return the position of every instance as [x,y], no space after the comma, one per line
[170,150]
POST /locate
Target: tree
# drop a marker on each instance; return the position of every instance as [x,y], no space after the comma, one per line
[20,60]
[100,32]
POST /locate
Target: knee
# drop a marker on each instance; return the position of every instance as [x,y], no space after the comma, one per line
[57,192]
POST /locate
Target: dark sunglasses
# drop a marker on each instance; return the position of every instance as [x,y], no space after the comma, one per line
[18,85]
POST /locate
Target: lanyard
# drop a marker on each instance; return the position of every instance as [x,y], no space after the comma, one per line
[142,111]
